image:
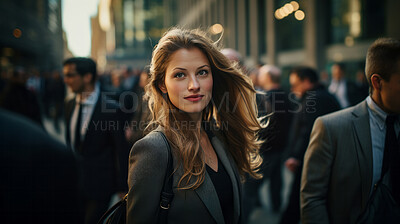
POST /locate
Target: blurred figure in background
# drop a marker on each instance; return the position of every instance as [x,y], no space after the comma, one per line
[362,82]
[128,95]
[314,101]
[18,98]
[55,95]
[272,102]
[253,74]
[346,92]
[250,187]
[276,133]
[232,55]
[39,177]
[94,131]
[141,115]
[130,78]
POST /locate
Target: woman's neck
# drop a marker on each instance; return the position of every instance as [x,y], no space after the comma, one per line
[196,118]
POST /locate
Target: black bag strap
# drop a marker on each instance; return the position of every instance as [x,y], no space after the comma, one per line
[111,210]
[167,194]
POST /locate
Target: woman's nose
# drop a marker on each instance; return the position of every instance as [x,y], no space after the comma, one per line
[194,84]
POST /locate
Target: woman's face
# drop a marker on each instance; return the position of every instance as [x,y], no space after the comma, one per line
[188,80]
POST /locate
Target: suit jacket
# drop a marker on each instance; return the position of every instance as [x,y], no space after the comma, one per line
[38,175]
[147,167]
[337,172]
[316,102]
[275,103]
[104,153]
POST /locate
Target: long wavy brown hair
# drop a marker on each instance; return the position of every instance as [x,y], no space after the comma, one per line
[232,108]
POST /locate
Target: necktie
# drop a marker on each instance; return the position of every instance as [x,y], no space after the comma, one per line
[78,129]
[391,157]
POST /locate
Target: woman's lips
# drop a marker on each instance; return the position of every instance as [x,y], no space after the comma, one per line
[194,98]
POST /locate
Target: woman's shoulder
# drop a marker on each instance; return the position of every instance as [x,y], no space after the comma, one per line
[152,144]
[148,161]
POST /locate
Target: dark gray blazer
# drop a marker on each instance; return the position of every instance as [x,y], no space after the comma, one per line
[147,167]
[337,172]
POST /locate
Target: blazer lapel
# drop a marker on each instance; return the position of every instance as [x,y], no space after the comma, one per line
[227,163]
[206,192]
[69,108]
[208,195]
[364,148]
[95,121]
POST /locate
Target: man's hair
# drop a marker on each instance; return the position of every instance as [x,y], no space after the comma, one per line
[83,66]
[304,72]
[273,71]
[340,65]
[383,58]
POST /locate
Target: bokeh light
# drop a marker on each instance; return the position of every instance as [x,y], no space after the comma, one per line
[17,33]
[299,15]
[216,28]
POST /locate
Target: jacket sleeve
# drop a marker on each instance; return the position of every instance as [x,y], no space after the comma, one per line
[147,167]
[299,146]
[316,175]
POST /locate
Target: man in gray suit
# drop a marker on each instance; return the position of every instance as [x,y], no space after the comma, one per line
[345,154]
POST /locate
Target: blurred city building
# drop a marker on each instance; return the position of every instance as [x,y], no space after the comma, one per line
[31,35]
[124,32]
[280,32]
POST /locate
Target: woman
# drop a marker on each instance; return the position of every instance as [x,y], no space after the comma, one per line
[206,108]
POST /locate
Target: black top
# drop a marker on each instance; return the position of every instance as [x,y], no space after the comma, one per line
[223,186]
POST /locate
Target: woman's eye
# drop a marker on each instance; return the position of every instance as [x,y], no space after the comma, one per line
[203,72]
[179,75]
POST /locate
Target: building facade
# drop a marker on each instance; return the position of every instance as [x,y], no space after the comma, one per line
[31,35]
[280,32]
[125,31]
[288,33]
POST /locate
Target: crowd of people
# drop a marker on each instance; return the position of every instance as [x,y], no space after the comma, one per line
[229,130]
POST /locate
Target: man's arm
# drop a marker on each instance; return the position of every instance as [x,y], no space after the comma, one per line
[316,175]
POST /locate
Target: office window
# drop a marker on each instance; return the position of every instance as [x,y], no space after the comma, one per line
[353,20]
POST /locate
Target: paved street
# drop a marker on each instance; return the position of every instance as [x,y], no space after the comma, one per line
[265,214]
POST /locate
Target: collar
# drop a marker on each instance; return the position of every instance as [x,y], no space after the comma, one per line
[340,81]
[377,113]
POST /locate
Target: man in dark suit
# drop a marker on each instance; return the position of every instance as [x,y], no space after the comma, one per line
[346,92]
[94,131]
[273,106]
[277,131]
[314,101]
[38,174]
[349,149]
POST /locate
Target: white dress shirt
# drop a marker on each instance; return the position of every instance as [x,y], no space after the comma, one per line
[339,89]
